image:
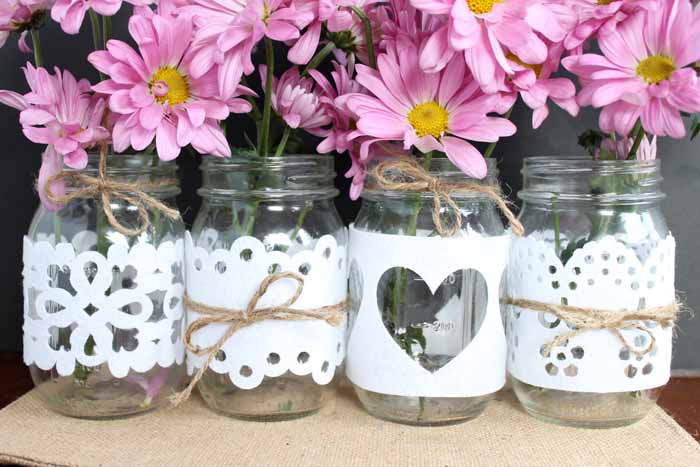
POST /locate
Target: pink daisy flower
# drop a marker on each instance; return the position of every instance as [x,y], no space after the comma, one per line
[342,123]
[153,93]
[20,16]
[586,18]
[645,72]
[296,101]
[62,113]
[483,30]
[228,31]
[619,149]
[429,111]
[535,85]
[324,12]
[71,13]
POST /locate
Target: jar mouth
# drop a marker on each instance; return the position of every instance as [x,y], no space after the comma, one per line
[439,167]
[578,178]
[128,164]
[138,168]
[248,175]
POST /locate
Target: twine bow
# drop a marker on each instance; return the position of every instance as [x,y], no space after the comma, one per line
[107,189]
[239,319]
[591,319]
[388,174]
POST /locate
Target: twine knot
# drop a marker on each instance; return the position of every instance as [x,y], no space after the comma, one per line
[404,174]
[591,319]
[334,315]
[107,189]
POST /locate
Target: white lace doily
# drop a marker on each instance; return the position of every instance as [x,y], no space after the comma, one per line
[230,277]
[129,303]
[603,274]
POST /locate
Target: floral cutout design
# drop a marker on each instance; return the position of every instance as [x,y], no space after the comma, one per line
[124,309]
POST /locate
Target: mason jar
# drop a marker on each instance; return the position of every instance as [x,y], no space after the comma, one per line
[103,311]
[261,217]
[418,300]
[596,238]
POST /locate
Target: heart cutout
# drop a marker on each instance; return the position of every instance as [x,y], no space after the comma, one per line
[432,327]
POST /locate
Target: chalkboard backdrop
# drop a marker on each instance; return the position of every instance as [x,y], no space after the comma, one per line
[557,136]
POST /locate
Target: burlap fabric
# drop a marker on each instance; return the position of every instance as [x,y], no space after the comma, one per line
[342,434]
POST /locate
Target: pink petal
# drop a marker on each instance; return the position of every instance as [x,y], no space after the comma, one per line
[302,52]
[51,164]
[14,100]
[166,141]
[151,116]
[465,156]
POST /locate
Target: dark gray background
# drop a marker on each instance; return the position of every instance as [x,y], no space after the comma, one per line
[557,136]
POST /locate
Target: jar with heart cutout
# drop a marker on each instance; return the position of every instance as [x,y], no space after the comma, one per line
[267,220]
[426,343]
[599,254]
[104,313]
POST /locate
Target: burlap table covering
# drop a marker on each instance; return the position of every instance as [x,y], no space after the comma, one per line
[340,435]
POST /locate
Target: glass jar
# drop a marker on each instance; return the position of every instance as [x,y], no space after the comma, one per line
[262,216]
[103,311]
[595,238]
[430,325]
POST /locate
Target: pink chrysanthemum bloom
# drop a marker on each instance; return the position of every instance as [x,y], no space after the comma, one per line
[645,72]
[619,149]
[61,113]
[155,95]
[296,101]
[71,13]
[431,111]
[227,33]
[342,123]
[483,29]
[19,16]
[535,85]
[583,19]
[324,12]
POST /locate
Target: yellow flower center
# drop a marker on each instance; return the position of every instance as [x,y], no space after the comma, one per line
[428,118]
[169,85]
[514,58]
[656,68]
[605,2]
[480,7]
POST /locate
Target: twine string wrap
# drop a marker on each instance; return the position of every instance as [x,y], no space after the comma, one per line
[591,319]
[106,190]
[239,319]
[389,175]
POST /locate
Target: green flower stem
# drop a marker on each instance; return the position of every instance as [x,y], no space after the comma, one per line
[267,104]
[639,133]
[96,35]
[557,227]
[369,40]
[38,51]
[96,32]
[157,218]
[106,30]
[56,228]
[492,147]
[283,141]
[319,57]
[300,221]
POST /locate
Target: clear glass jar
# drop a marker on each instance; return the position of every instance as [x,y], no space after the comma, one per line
[134,305]
[286,203]
[407,305]
[568,202]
